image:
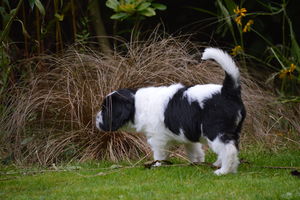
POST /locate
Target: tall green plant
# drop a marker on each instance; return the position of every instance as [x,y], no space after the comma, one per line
[238,21]
[286,54]
[5,67]
[11,17]
[288,57]
[135,10]
[125,9]
[8,17]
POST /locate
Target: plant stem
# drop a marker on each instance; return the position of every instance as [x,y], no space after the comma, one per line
[136,29]
[38,29]
[7,26]
[99,26]
[59,42]
[73,19]
[26,53]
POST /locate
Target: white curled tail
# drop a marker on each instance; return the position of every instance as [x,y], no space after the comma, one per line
[225,61]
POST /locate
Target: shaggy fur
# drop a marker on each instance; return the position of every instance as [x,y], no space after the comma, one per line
[178,113]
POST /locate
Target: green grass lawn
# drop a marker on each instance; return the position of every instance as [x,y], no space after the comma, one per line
[95,180]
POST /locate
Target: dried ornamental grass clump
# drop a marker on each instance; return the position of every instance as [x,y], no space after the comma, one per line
[51,118]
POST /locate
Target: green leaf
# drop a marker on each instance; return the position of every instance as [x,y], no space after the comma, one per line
[231,5]
[115,166]
[130,1]
[143,6]
[6,2]
[40,6]
[12,12]
[277,56]
[159,6]
[295,49]
[2,11]
[120,16]
[203,11]
[31,3]
[113,4]
[60,17]
[227,18]
[71,168]
[25,33]
[26,140]
[149,12]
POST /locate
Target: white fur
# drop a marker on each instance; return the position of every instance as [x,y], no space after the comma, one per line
[224,60]
[195,152]
[149,118]
[227,156]
[182,137]
[201,92]
[113,92]
[99,119]
[149,111]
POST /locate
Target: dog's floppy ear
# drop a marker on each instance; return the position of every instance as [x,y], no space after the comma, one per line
[117,109]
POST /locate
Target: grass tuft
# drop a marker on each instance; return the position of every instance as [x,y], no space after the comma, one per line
[50,117]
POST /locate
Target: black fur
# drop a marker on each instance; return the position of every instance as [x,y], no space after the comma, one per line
[217,117]
[180,114]
[221,113]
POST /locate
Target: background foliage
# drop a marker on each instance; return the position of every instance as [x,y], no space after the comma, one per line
[35,27]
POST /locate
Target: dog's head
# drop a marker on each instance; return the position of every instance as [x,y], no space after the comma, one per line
[117,109]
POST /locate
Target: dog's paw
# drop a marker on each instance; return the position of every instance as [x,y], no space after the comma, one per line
[199,160]
[220,172]
[157,163]
[217,164]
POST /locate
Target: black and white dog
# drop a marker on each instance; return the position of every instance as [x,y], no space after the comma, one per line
[178,113]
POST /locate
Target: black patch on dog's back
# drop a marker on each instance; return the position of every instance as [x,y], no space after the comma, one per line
[181,115]
[217,117]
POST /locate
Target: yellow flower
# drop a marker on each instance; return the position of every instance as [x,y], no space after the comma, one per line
[248,26]
[283,73]
[287,72]
[240,13]
[236,50]
[238,20]
[292,67]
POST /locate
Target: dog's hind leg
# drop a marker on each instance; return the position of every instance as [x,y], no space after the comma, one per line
[229,160]
[218,162]
[195,152]
[227,156]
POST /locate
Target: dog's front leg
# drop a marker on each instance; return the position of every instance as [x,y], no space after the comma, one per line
[160,150]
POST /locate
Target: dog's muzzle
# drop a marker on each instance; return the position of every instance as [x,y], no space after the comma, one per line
[99,120]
